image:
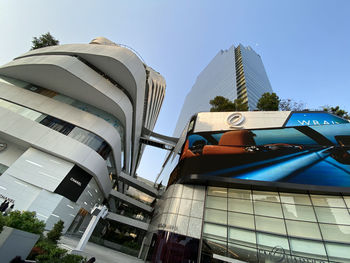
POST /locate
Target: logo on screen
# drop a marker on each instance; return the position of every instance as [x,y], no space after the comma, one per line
[235,120]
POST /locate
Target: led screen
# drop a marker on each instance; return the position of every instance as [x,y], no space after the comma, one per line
[313,118]
[308,155]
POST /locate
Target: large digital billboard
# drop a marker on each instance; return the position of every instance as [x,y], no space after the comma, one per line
[310,150]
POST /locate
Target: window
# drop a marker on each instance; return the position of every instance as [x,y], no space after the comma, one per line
[272,225]
[303,229]
[215,231]
[216,202]
[299,212]
[268,209]
[240,205]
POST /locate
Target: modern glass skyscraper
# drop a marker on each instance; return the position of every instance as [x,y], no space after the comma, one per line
[237,72]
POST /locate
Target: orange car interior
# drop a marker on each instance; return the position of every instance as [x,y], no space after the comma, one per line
[187,153]
[231,142]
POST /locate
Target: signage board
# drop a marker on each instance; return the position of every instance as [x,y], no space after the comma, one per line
[74,183]
[309,151]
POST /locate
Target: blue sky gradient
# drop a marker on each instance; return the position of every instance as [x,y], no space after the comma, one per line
[304,45]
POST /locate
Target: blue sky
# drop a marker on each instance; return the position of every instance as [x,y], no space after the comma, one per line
[304,45]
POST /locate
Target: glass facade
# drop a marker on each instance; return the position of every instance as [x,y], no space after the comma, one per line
[261,226]
[240,78]
[3,168]
[88,138]
[81,106]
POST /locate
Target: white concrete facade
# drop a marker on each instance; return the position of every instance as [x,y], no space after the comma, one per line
[69,111]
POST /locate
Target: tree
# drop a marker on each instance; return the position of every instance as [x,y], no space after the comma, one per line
[291,105]
[56,232]
[2,222]
[25,221]
[268,102]
[45,40]
[336,111]
[240,105]
[47,252]
[220,103]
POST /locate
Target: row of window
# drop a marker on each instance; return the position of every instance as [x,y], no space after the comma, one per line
[289,211]
[253,225]
[3,168]
[281,197]
[288,250]
[93,141]
[295,228]
[80,105]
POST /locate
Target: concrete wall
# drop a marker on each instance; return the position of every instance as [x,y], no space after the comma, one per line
[14,242]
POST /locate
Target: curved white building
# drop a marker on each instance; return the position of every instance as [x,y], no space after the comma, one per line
[71,118]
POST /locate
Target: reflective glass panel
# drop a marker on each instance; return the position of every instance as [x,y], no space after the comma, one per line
[338,252]
[215,231]
[25,112]
[240,205]
[347,201]
[298,199]
[268,209]
[212,246]
[3,168]
[215,216]
[268,224]
[274,255]
[266,196]
[216,202]
[299,212]
[330,201]
[241,220]
[333,215]
[217,191]
[238,193]
[303,229]
[307,248]
[268,241]
[240,236]
[242,253]
[336,233]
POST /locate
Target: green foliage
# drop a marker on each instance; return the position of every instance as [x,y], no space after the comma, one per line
[291,105]
[132,244]
[46,250]
[55,234]
[70,258]
[45,40]
[220,103]
[337,111]
[2,222]
[25,221]
[268,102]
[50,253]
[240,105]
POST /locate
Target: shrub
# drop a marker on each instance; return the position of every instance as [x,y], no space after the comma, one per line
[132,244]
[48,252]
[25,221]
[2,222]
[55,234]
